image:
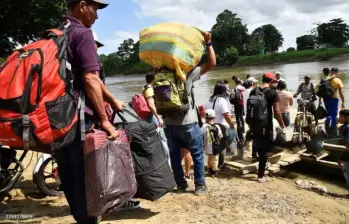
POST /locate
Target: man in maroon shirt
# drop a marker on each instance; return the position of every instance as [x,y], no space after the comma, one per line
[82,56]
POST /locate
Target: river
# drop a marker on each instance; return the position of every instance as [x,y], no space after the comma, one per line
[125,87]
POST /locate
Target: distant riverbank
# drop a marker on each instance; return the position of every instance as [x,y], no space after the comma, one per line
[274,58]
[292,57]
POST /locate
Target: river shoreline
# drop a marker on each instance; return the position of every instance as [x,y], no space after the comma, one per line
[292,57]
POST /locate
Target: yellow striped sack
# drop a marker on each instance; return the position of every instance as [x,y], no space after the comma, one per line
[172,45]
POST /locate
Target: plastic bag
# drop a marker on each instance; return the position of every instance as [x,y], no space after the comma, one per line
[109,174]
[172,45]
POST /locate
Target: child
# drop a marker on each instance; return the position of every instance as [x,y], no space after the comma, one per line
[215,140]
[344,134]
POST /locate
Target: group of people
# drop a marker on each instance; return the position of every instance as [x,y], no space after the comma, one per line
[180,132]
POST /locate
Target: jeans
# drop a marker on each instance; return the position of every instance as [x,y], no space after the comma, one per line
[163,138]
[189,137]
[286,118]
[71,170]
[262,146]
[331,105]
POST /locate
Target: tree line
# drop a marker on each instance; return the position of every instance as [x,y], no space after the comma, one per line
[230,35]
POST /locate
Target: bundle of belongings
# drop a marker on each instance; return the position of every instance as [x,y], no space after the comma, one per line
[174,50]
[175,46]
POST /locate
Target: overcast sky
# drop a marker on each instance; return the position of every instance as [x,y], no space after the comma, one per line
[124,18]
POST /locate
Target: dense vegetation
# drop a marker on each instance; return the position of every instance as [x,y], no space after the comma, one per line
[292,56]
[233,43]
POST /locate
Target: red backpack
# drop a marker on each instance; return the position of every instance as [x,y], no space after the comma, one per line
[37,108]
[140,105]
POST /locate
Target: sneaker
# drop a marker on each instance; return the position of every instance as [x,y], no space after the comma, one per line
[130,205]
[262,179]
[200,189]
[222,166]
[189,177]
[182,188]
[213,172]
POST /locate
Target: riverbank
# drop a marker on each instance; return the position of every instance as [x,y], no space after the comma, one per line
[292,57]
[231,198]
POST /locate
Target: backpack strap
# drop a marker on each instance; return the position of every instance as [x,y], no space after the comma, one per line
[26,131]
[81,109]
[145,89]
[214,103]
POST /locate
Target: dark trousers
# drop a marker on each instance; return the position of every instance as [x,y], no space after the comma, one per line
[239,115]
[221,158]
[70,162]
[262,146]
[286,118]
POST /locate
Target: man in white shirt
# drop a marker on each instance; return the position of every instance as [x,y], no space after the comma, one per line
[251,84]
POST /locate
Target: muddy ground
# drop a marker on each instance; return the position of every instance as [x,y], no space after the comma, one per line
[230,199]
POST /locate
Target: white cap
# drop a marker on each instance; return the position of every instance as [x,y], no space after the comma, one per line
[252,80]
[209,113]
[95,37]
[278,73]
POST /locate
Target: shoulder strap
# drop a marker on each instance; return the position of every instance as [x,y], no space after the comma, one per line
[192,95]
[145,88]
[214,103]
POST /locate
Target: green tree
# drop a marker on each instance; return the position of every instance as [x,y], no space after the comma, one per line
[272,37]
[335,32]
[229,31]
[112,64]
[230,56]
[24,20]
[256,44]
[305,42]
[125,60]
[291,49]
[126,49]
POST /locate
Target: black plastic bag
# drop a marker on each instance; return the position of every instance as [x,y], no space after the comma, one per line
[320,113]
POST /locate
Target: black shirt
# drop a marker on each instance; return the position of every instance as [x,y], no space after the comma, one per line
[272,97]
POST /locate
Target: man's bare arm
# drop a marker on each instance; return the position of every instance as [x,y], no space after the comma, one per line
[341,94]
[152,107]
[277,115]
[94,93]
[211,56]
